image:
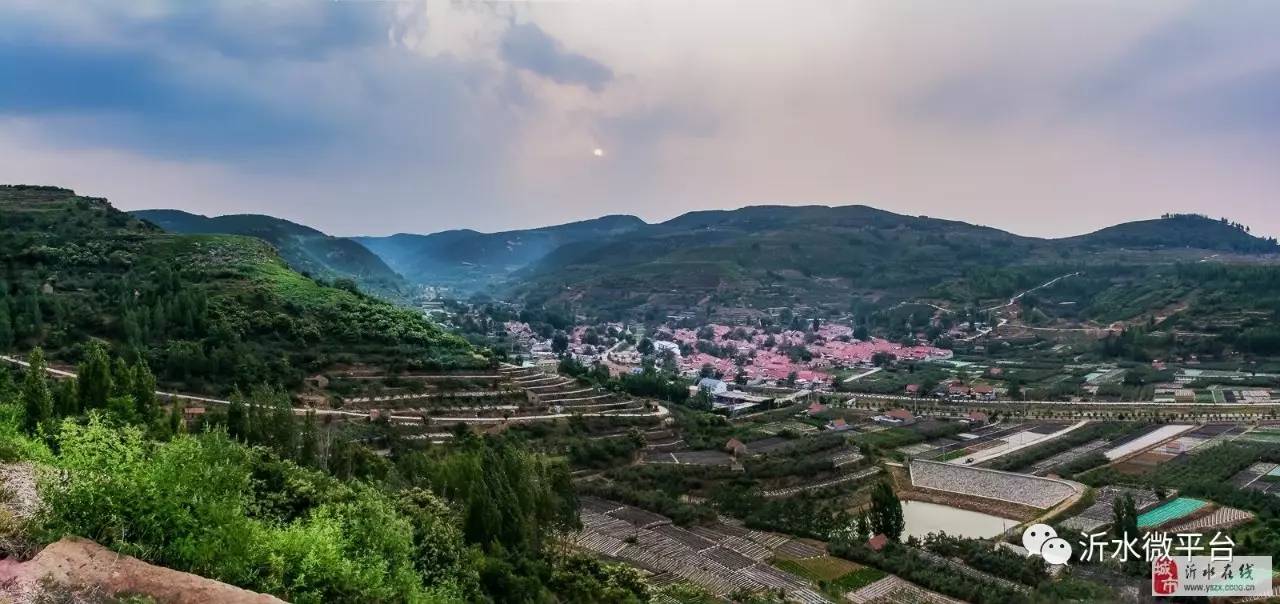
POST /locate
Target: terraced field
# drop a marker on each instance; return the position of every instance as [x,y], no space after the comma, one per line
[1101,512]
[721,558]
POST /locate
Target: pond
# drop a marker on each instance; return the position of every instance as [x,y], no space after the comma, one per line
[923,518]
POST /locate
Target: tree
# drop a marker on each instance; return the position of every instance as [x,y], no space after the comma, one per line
[176,425]
[309,452]
[30,321]
[559,343]
[1125,526]
[122,408]
[645,346]
[6,323]
[66,398]
[121,378]
[886,512]
[36,399]
[94,377]
[1015,390]
[144,392]
[236,418]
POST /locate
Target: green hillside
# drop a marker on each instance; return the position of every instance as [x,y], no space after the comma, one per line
[769,256]
[207,311]
[1179,231]
[470,260]
[305,249]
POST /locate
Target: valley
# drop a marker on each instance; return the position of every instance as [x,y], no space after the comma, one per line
[440,302]
[886,448]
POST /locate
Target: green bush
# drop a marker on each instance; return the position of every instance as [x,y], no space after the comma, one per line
[187,504]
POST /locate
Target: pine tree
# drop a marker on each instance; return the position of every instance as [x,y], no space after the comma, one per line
[236,418]
[283,427]
[6,384]
[35,318]
[121,378]
[309,453]
[144,392]
[6,323]
[176,425]
[66,399]
[36,399]
[862,529]
[94,377]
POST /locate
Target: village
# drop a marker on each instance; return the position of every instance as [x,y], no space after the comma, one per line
[812,359]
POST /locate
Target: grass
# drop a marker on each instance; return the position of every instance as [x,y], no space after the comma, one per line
[857,580]
[823,568]
[1265,437]
[889,439]
[957,454]
[836,576]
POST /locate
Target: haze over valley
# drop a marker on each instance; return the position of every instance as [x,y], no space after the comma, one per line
[639,302]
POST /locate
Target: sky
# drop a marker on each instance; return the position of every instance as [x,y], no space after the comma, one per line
[1044,118]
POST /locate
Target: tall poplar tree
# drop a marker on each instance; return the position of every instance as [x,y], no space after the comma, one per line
[94,377]
[36,398]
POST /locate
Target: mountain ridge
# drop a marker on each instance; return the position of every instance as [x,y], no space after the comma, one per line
[469,259]
[207,311]
[777,254]
[306,249]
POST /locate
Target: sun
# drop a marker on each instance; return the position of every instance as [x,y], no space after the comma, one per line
[598,152]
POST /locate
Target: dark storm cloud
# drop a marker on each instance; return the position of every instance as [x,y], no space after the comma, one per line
[527,47]
[135,97]
[375,117]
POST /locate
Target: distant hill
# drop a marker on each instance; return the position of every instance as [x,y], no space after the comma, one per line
[208,312]
[307,250]
[1179,231]
[470,260]
[773,256]
[765,256]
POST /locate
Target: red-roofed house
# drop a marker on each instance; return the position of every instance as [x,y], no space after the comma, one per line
[896,417]
[877,542]
[815,409]
[735,447]
[984,392]
[838,425]
[977,418]
[913,389]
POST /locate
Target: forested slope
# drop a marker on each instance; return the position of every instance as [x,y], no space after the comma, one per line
[305,249]
[251,493]
[206,311]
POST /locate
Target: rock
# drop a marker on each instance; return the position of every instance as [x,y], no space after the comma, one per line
[83,566]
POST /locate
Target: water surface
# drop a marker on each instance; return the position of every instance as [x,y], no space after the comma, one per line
[923,518]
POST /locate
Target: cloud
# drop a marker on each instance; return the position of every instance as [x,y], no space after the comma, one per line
[527,47]
[370,117]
